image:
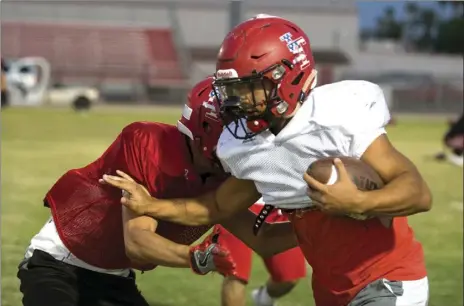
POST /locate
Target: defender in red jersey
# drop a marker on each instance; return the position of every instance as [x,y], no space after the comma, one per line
[280,123]
[85,253]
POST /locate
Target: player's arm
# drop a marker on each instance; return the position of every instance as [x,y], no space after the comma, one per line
[272,238]
[143,245]
[206,210]
[405,192]
[231,197]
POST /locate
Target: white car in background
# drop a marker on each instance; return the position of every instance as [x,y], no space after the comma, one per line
[28,84]
[78,97]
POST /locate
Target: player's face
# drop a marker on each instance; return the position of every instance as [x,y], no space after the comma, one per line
[253,95]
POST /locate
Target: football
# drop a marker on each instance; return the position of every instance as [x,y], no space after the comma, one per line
[362,175]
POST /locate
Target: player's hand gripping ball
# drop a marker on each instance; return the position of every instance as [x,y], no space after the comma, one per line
[335,184]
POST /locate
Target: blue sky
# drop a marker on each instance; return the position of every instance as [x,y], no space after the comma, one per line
[370,10]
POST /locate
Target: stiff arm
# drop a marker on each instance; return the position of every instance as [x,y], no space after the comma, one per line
[228,205]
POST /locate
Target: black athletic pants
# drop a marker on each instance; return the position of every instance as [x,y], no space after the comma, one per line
[46,281]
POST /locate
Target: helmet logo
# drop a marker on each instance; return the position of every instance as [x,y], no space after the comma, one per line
[210,106]
[226,74]
[296,47]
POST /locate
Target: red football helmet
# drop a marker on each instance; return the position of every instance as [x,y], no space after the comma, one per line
[200,118]
[263,48]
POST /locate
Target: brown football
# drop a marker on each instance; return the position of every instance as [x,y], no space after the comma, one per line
[363,175]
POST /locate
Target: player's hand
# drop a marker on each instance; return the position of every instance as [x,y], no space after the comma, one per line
[210,256]
[135,196]
[343,197]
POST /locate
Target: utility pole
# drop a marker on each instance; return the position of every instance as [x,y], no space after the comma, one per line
[235,13]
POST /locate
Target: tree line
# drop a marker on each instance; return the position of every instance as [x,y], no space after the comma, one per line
[437,29]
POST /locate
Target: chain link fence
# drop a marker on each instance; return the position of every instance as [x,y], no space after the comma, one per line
[419,93]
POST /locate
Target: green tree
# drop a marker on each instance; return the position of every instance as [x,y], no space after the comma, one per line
[450,37]
[429,21]
[388,27]
[450,33]
[429,29]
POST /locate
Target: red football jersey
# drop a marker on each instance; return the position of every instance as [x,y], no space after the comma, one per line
[88,215]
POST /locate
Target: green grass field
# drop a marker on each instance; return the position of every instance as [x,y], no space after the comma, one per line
[38,145]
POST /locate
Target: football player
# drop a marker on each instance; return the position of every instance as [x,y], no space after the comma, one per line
[453,143]
[279,124]
[285,269]
[85,253]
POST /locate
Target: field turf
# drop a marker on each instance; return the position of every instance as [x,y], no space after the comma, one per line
[38,145]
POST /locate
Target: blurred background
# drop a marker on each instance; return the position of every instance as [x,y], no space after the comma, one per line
[152,51]
[133,60]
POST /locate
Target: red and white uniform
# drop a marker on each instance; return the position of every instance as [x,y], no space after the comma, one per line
[284,267]
[86,225]
[339,119]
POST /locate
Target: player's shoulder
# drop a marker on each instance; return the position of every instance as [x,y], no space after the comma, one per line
[146,127]
[163,143]
[347,92]
[349,104]
[154,132]
[158,139]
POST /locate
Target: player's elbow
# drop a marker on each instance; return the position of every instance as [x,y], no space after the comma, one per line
[420,198]
[424,201]
[132,246]
[132,251]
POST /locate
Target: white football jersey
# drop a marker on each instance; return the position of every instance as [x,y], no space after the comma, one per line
[339,119]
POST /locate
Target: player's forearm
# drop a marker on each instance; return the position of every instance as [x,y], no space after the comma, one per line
[277,238]
[148,247]
[192,212]
[271,239]
[405,195]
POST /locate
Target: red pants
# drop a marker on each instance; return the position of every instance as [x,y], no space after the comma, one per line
[283,267]
[346,254]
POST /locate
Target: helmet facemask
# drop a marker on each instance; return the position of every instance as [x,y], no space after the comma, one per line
[253,98]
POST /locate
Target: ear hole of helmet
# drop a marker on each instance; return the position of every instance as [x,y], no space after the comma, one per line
[298,78]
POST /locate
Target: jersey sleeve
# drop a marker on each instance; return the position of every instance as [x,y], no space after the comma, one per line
[368,117]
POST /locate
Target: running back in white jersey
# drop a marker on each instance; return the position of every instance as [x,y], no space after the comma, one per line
[339,119]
